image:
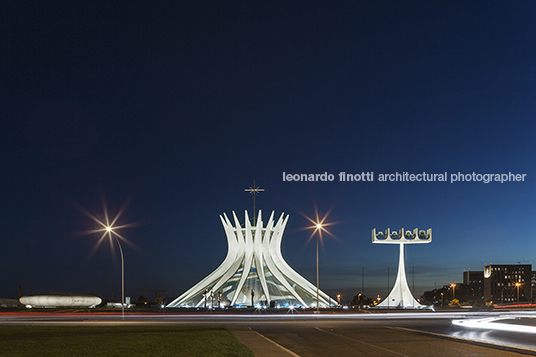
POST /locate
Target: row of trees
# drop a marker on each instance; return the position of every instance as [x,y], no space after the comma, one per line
[459,294]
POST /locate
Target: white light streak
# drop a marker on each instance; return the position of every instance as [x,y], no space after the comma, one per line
[491,324]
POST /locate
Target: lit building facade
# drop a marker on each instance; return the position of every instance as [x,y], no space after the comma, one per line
[533,284]
[507,283]
[254,272]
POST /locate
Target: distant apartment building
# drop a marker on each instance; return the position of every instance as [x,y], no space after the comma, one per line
[471,277]
[533,284]
[474,280]
[507,283]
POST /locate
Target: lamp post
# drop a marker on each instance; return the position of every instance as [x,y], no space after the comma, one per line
[502,291]
[363,280]
[109,230]
[319,228]
[453,286]
[319,225]
[518,284]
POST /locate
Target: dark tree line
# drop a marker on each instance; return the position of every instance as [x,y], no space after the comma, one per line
[467,294]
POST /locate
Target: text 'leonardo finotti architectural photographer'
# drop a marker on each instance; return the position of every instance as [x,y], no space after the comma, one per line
[406,177]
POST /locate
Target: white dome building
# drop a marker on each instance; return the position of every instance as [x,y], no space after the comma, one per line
[54,301]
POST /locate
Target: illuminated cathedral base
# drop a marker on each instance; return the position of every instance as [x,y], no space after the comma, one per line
[253,271]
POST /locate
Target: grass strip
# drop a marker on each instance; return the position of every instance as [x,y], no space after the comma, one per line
[119,341]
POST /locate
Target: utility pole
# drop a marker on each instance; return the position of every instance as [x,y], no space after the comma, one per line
[363,281]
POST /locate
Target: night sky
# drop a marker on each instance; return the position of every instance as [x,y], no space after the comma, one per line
[174,108]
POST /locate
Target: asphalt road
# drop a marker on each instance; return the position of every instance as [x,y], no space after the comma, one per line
[375,338]
[393,334]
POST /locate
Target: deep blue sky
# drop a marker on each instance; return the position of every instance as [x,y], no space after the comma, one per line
[177,107]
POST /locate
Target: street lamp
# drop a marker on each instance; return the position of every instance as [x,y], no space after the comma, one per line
[109,231]
[518,284]
[318,229]
[453,286]
[319,226]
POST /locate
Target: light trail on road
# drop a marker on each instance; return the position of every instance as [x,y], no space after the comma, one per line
[461,325]
[459,316]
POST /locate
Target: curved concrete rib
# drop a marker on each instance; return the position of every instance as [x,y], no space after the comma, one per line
[257,251]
